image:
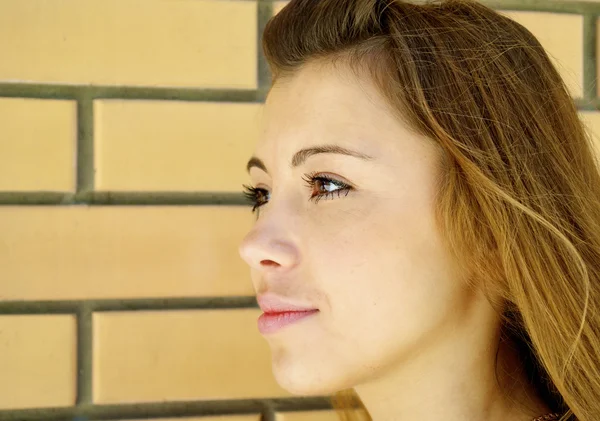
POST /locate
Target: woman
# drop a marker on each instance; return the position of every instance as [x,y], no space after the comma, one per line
[427,241]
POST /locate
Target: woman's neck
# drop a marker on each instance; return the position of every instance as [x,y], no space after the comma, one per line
[454,380]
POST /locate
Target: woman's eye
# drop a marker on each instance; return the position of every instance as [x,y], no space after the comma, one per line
[321,186]
[324,186]
[256,196]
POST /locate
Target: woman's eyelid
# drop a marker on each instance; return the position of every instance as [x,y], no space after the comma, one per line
[259,183]
[261,186]
[315,175]
[334,177]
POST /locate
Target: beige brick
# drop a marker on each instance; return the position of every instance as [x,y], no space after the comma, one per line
[308,416]
[171,145]
[184,43]
[52,253]
[591,119]
[215,418]
[37,144]
[181,355]
[278,5]
[561,35]
[37,361]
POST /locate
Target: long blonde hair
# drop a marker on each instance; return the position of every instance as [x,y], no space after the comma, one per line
[519,199]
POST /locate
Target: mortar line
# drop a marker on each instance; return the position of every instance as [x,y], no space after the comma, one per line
[264,13]
[124,198]
[80,307]
[269,414]
[157,410]
[590,53]
[84,355]
[85,145]
[62,91]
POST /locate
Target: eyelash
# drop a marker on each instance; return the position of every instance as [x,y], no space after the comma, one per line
[253,194]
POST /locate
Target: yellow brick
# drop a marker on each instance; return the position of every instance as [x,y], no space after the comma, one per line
[37,361]
[278,5]
[592,121]
[215,418]
[184,43]
[181,355]
[561,35]
[308,416]
[51,253]
[170,145]
[37,144]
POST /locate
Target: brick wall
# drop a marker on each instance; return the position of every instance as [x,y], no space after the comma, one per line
[125,127]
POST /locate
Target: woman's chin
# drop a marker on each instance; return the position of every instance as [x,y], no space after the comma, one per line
[303,381]
[304,388]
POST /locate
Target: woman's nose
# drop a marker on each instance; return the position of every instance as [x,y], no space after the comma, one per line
[262,250]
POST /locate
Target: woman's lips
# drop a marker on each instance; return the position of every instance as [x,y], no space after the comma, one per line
[272,303]
[272,322]
[279,312]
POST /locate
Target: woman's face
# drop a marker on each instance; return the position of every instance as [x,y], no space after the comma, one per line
[367,253]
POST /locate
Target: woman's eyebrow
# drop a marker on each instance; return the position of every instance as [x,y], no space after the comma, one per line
[303,154]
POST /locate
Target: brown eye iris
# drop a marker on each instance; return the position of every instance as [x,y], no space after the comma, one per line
[325,186]
[262,197]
